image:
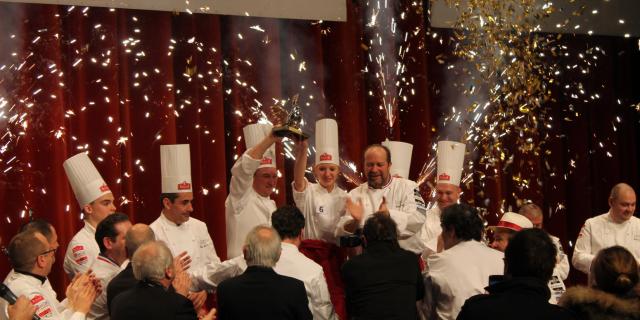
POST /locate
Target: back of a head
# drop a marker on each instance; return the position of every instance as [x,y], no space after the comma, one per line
[530,253]
[464,220]
[262,247]
[530,210]
[288,221]
[615,270]
[39,225]
[380,227]
[151,261]
[24,249]
[138,235]
[107,228]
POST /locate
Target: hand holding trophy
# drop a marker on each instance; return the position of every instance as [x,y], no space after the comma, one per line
[291,128]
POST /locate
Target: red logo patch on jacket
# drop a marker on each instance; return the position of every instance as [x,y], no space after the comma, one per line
[325,157]
[36,299]
[77,248]
[184,185]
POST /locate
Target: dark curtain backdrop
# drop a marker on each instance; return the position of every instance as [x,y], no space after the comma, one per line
[119,83]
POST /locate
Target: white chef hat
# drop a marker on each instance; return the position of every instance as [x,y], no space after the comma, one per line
[175,167]
[450,162]
[400,157]
[253,134]
[327,147]
[85,180]
[513,221]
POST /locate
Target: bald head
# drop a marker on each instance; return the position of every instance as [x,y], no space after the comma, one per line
[138,235]
[622,202]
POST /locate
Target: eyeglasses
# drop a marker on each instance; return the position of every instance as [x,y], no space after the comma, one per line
[49,251]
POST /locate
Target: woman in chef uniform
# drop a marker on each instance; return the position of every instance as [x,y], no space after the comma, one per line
[322,204]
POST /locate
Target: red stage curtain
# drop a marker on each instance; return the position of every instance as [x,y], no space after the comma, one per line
[119,83]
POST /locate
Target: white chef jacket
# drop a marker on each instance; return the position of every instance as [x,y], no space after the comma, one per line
[601,232]
[425,242]
[404,202]
[294,264]
[41,296]
[81,251]
[321,210]
[206,269]
[560,273]
[244,207]
[458,273]
[104,269]
[562,260]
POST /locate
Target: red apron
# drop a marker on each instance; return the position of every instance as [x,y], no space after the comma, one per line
[331,258]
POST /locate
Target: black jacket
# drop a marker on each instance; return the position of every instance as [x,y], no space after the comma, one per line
[261,293]
[592,304]
[151,301]
[519,298]
[384,282]
[122,282]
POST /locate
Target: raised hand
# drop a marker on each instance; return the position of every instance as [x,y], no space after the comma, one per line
[182,262]
[355,209]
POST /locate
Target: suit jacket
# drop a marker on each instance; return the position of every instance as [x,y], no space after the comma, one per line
[384,282]
[122,282]
[148,300]
[520,298]
[261,293]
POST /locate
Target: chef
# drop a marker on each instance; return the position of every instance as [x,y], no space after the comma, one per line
[618,227]
[183,234]
[253,179]
[450,157]
[322,204]
[96,202]
[399,197]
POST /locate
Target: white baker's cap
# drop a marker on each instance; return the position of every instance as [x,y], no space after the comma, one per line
[85,180]
[327,147]
[175,166]
[450,162]
[400,157]
[253,134]
[513,221]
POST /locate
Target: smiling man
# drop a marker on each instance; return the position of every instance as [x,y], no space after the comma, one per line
[616,227]
[96,201]
[399,197]
[450,158]
[253,179]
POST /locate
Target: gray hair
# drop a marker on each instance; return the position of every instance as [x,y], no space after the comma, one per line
[151,261]
[262,247]
[138,235]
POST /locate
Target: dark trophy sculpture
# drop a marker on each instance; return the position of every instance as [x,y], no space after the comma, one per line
[291,128]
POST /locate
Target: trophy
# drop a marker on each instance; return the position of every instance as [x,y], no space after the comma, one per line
[291,128]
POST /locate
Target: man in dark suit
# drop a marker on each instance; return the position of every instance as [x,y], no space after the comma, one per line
[384,282]
[523,292]
[150,298]
[261,293]
[135,237]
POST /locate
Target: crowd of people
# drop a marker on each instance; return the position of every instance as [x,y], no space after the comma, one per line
[376,252]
